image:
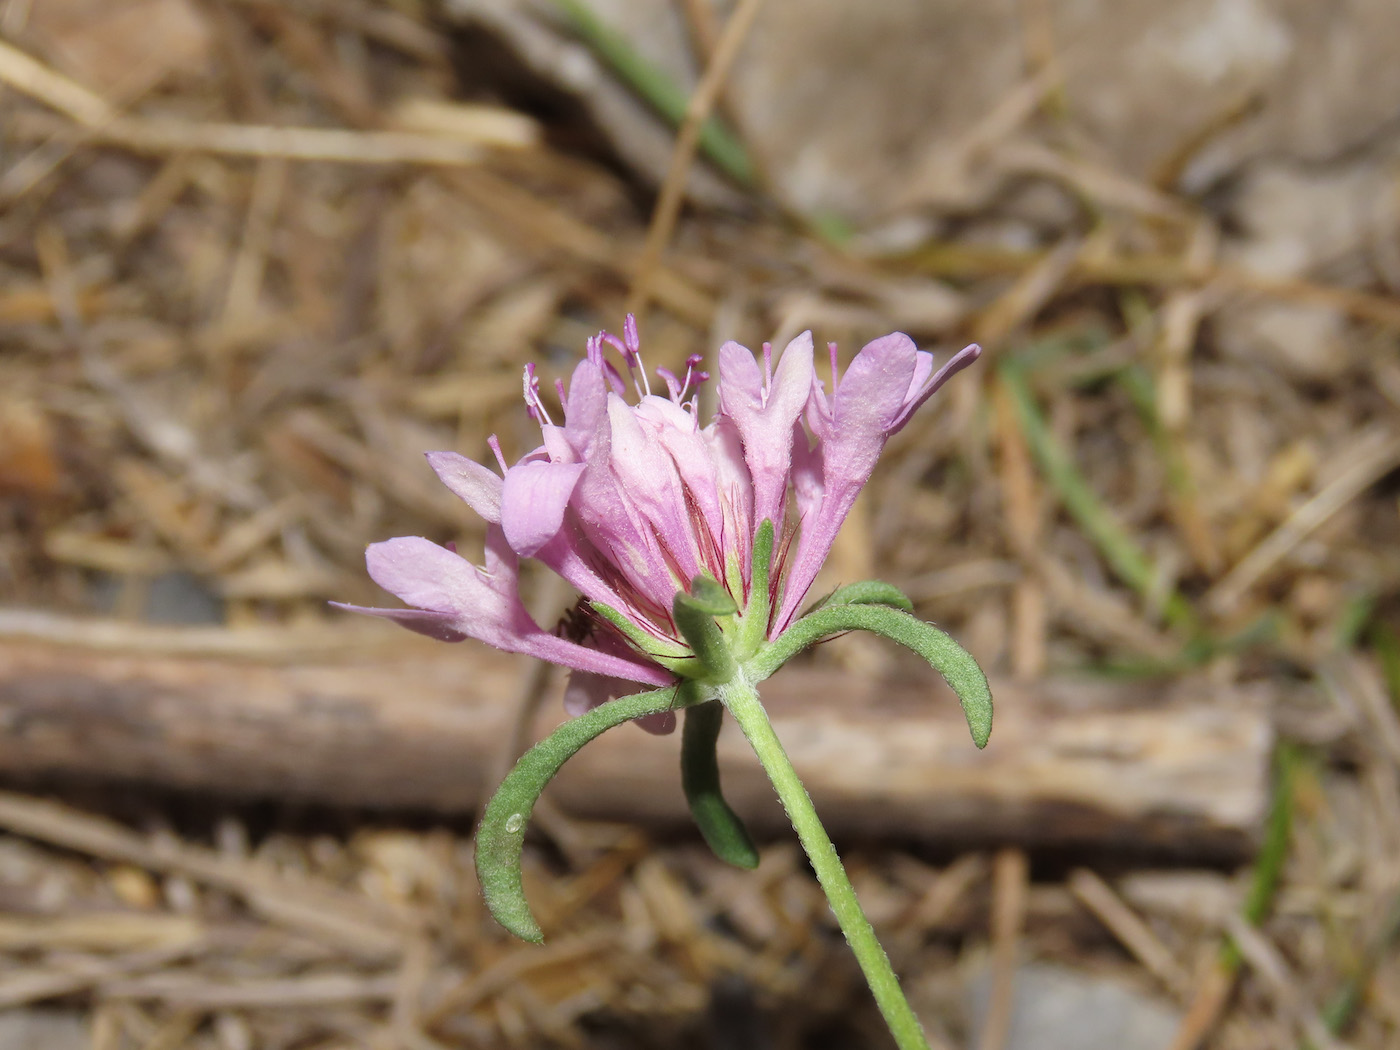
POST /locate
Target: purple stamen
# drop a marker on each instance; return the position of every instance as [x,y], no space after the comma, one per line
[632,354]
[495,445]
[673,385]
[613,376]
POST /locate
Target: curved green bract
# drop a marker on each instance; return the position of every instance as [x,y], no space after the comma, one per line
[501,834]
[696,622]
[869,592]
[753,627]
[658,649]
[946,656]
[709,595]
[724,832]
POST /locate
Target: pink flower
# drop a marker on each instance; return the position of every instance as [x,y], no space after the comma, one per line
[630,502]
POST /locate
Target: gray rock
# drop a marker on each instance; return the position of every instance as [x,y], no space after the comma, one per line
[1300,340]
[43,1030]
[1294,220]
[1056,1008]
[172,598]
[182,598]
[850,104]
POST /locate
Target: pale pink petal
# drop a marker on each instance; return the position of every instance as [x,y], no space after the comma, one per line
[435,625]
[422,574]
[477,486]
[558,650]
[926,382]
[462,599]
[586,407]
[739,375]
[482,605]
[868,400]
[644,470]
[734,490]
[557,445]
[614,525]
[533,500]
[807,484]
[765,419]
[852,427]
[677,432]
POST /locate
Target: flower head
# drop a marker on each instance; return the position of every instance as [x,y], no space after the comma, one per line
[632,501]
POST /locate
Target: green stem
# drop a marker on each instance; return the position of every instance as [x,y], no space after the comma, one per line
[741,698]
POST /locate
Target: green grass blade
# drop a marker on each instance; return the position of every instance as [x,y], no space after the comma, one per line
[1118,548]
[657,89]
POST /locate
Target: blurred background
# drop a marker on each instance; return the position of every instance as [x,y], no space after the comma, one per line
[256,256]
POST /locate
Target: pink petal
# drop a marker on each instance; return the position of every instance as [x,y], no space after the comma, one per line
[424,575]
[923,386]
[557,445]
[586,407]
[852,426]
[645,470]
[739,374]
[582,658]
[615,524]
[533,500]
[765,422]
[434,625]
[733,484]
[677,432]
[477,486]
[869,399]
[456,598]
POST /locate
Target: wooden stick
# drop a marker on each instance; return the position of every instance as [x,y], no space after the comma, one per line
[421,725]
[1010,884]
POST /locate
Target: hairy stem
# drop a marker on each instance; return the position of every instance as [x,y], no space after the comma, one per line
[741,698]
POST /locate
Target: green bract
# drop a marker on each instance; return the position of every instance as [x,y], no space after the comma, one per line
[725,646]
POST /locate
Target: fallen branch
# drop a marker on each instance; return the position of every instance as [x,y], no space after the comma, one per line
[1180,770]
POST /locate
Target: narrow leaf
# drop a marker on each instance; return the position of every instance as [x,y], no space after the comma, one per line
[869,592]
[720,825]
[501,833]
[946,656]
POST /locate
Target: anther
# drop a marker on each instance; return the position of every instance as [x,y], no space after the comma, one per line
[532,397]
